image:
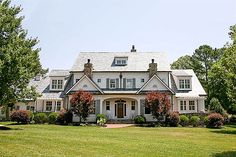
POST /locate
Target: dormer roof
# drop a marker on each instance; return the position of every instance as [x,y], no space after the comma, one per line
[59,73]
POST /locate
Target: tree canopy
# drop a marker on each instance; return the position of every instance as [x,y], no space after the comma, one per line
[19,55]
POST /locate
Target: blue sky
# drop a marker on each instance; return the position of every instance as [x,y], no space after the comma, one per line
[66,28]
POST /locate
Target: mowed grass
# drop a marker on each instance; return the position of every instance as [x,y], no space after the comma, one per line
[55,140]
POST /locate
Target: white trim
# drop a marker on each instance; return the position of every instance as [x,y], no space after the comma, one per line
[150,80]
[83,77]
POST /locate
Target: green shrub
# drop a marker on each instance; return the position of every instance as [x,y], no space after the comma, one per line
[52,118]
[206,120]
[215,106]
[64,117]
[194,121]
[139,119]
[20,116]
[173,119]
[215,120]
[40,118]
[101,116]
[101,121]
[184,120]
[233,119]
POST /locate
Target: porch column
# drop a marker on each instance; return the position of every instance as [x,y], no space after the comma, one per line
[101,104]
[138,105]
[55,107]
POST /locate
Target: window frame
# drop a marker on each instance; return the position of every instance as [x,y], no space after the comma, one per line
[112,85]
[132,105]
[131,82]
[184,84]
[57,84]
[46,106]
[108,107]
[183,105]
[59,105]
[191,105]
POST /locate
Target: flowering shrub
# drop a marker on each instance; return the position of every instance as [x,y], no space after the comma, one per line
[215,120]
[158,103]
[173,119]
[184,120]
[194,121]
[100,116]
[40,118]
[20,116]
[81,104]
[101,121]
[52,118]
[139,119]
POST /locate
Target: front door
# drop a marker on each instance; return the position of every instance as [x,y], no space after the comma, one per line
[120,110]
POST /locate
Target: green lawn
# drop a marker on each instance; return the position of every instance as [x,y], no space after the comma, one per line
[55,140]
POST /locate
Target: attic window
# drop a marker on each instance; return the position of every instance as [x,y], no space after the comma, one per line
[121,61]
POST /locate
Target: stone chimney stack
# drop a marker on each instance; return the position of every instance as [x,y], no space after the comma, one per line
[152,68]
[133,49]
[88,69]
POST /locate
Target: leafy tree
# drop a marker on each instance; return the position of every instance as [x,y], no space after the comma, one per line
[215,106]
[232,33]
[184,62]
[19,57]
[158,103]
[81,104]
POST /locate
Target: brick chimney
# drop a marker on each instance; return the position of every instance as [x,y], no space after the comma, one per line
[152,68]
[88,69]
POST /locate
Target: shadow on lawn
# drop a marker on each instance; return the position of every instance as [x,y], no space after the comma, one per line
[225,154]
[225,131]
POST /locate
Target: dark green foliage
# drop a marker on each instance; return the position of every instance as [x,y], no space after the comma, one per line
[52,118]
[215,120]
[100,116]
[184,120]
[215,106]
[20,116]
[233,119]
[64,117]
[40,118]
[139,119]
[184,62]
[173,119]
[19,56]
[194,121]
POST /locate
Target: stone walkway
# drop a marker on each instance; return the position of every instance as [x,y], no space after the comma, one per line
[118,125]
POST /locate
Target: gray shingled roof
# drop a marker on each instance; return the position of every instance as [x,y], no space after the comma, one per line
[137,61]
[59,73]
[182,72]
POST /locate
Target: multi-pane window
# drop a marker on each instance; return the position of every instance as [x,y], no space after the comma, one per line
[129,83]
[184,84]
[57,84]
[121,61]
[112,83]
[108,105]
[191,105]
[132,105]
[58,105]
[183,105]
[48,105]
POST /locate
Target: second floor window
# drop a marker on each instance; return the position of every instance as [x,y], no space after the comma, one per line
[129,83]
[57,84]
[184,84]
[112,83]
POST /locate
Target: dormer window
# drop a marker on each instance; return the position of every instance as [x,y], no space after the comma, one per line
[184,83]
[121,61]
[57,84]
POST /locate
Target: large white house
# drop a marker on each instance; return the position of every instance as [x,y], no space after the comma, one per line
[119,82]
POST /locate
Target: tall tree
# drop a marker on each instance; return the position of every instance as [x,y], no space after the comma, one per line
[232,33]
[184,62]
[19,57]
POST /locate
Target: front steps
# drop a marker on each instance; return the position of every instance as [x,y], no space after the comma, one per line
[120,121]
